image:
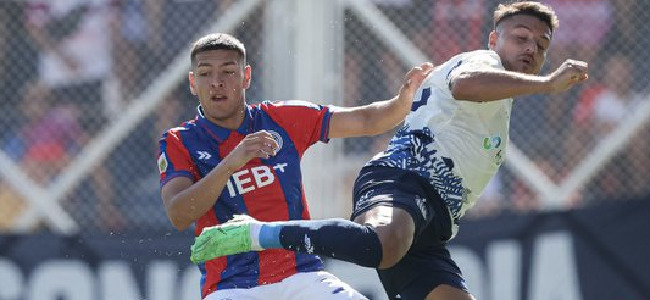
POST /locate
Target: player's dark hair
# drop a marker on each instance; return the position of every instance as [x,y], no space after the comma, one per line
[217,41]
[531,8]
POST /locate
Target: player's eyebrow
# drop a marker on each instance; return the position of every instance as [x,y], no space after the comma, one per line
[229,63]
[208,64]
[545,36]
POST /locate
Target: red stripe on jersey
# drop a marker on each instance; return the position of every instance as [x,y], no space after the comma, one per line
[206,220]
[178,156]
[213,269]
[276,265]
[269,204]
[265,204]
[310,116]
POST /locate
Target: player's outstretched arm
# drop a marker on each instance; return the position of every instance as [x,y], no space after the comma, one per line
[185,202]
[380,116]
[491,85]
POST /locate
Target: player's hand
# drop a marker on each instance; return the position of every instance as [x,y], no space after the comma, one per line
[568,74]
[413,79]
[259,144]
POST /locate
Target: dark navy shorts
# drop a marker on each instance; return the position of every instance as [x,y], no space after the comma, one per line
[428,263]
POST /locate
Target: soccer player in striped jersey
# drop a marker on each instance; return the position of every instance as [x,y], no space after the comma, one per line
[235,159]
[409,198]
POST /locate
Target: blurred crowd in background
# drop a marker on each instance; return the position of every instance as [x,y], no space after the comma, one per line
[70,67]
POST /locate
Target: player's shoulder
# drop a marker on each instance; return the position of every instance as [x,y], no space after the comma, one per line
[482,57]
[476,56]
[288,109]
[472,59]
[179,131]
[483,53]
[289,105]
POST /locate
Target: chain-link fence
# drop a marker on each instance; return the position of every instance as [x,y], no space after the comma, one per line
[69,69]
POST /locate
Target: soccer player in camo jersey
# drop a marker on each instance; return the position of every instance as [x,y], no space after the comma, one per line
[235,158]
[409,198]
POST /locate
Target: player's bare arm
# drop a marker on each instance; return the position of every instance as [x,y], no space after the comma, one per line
[380,116]
[186,202]
[491,85]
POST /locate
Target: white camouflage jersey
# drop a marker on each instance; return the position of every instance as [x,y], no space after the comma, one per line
[457,145]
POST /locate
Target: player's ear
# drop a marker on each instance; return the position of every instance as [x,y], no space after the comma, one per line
[190,77]
[247,76]
[492,39]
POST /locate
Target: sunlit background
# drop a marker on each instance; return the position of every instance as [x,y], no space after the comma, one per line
[88,86]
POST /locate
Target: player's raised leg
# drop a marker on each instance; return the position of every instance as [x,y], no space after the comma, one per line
[381,235]
[336,238]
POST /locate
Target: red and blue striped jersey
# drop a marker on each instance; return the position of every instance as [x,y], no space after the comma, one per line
[266,189]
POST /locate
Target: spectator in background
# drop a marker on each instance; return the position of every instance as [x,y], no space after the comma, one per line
[582,34]
[457,26]
[586,25]
[135,43]
[4,36]
[151,33]
[73,39]
[50,137]
[600,110]
[42,145]
[17,62]
[180,21]
[629,35]
[12,205]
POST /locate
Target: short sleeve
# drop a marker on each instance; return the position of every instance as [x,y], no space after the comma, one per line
[305,122]
[474,61]
[173,159]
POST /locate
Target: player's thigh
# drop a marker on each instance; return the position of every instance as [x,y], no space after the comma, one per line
[391,200]
[317,286]
[448,292]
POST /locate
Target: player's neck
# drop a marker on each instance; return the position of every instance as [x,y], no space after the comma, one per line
[231,122]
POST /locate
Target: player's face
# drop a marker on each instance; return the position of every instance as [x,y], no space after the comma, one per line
[219,78]
[522,42]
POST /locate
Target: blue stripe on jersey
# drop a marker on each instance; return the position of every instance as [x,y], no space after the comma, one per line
[203,274]
[206,141]
[292,194]
[238,273]
[176,174]
[325,127]
[242,270]
[170,164]
[308,263]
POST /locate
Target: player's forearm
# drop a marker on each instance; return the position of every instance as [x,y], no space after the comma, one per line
[385,115]
[375,118]
[190,204]
[483,86]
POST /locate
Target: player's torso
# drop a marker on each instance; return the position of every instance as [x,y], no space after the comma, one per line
[266,189]
[458,145]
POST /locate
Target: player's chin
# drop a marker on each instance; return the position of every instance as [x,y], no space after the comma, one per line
[528,69]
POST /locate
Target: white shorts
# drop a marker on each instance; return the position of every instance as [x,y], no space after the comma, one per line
[311,285]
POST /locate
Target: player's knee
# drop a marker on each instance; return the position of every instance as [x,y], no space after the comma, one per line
[395,243]
[396,240]
[394,228]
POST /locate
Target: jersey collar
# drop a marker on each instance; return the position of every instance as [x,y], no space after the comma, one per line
[221,133]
